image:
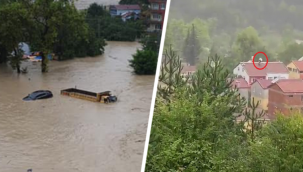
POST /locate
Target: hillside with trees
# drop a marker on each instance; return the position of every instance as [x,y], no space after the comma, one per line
[236,29]
[194,126]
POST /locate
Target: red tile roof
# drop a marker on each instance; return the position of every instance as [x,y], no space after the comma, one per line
[240,83]
[272,67]
[290,85]
[264,83]
[299,65]
[127,7]
[188,69]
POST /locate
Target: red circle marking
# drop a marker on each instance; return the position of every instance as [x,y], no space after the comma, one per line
[253,60]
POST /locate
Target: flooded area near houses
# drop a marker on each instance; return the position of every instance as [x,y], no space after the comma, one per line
[64,134]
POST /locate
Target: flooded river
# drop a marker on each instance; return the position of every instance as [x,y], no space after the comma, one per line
[64,134]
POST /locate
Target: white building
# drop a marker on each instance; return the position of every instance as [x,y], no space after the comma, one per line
[250,73]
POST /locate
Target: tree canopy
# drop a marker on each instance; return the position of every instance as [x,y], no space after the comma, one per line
[236,29]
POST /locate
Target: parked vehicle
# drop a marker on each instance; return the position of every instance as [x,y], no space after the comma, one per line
[37,95]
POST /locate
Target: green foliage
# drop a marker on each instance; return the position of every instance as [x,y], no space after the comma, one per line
[49,27]
[196,130]
[279,146]
[170,75]
[236,29]
[144,62]
[113,28]
[14,19]
[292,52]
[151,41]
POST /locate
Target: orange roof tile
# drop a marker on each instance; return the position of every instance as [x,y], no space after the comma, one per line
[299,65]
[290,85]
[272,67]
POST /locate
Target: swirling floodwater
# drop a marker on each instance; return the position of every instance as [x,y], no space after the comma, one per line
[64,134]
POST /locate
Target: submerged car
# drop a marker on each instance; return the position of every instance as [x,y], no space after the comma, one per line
[37,95]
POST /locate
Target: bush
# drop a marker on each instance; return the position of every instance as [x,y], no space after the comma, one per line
[144,62]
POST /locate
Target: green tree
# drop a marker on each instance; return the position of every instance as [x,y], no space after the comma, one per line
[278,146]
[144,62]
[292,52]
[170,74]
[113,28]
[254,119]
[196,131]
[13,31]
[192,47]
[248,43]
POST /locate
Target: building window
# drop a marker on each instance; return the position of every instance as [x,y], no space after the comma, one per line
[269,78]
[289,68]
[158,26]
[155,6]
[162,6]
[290,95]
[238,68]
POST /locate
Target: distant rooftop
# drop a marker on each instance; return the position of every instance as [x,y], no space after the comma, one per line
[290,85]
[240,83]
[264,83]
[127,7]
[272,67]
[187,69]
[299,65]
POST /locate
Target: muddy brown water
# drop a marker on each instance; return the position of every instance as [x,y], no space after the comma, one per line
[64,134]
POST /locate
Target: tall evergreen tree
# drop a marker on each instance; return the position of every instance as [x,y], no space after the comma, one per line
[192,47]
[170,74]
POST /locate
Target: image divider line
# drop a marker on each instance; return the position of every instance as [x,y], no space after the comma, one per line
[151,114]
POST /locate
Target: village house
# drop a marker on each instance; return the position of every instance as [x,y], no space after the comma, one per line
[188,70]
[157,8]
[243,88]
[285,95]
[295,69]
[119,10]
[273,70]
[259,92]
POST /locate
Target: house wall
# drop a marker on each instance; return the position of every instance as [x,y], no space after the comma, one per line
[286,103]
[244,93]
[293,71]
[273,76]
[239,71]
[259,95]
[275,100]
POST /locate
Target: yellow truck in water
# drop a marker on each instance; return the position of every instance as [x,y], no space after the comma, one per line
[102,97]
